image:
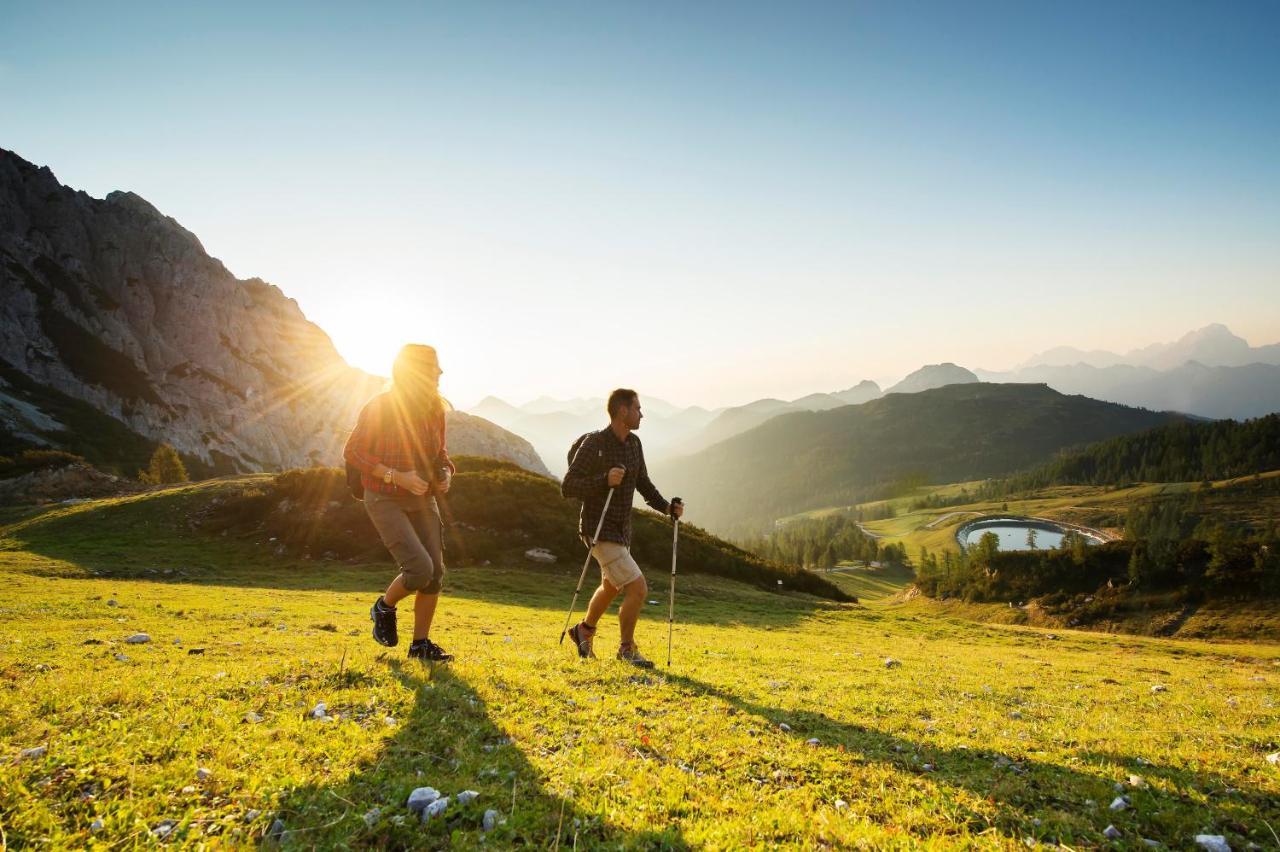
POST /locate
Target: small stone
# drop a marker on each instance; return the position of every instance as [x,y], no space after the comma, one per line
[842,805]
[1159,687]
[890,662]
[203,774]
[929,767]
[1137,781]
[112,602]
[372,817]
[139,639]
[1213,842]
[276,831]
[1151,844]
[540,554]
[1112,833]
[436,808]
[490,821]
[1119,803]
[189,789]
[121,658]
[33,753]
[389,721]
[784,727]
[319,711]
[813,741]
[1016,714]
[467,796]
[252,717]
[1274,759]
[250,816]
[164,828]
[421,797]
[97,825]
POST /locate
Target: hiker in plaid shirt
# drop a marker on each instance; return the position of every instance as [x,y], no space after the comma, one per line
[613,458]
[398,447]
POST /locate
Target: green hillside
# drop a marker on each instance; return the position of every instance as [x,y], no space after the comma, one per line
[1188,451]
[808,460]
[779,725]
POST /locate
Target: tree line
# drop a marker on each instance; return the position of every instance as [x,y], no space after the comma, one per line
[823,543]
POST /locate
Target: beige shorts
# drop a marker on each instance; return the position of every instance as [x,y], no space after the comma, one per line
[616,564]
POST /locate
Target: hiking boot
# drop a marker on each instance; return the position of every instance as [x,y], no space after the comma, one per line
[384,624]
[425,649]
[631,654]
[583,636]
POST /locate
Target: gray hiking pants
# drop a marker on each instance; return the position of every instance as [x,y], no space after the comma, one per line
[410,528]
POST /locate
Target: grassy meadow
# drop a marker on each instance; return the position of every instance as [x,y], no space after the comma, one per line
[784,721]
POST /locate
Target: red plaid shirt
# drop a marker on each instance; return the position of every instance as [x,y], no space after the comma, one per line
[385,435]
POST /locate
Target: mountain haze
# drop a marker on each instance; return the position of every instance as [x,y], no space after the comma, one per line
[806,460]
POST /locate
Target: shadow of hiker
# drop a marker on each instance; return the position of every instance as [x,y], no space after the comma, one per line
[1025,791]
[449,742]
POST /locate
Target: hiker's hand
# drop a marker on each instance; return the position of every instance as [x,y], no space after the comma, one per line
[615,476]
[445,480]
[677,510]
[411,482]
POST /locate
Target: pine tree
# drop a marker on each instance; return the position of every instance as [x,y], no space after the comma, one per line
[165,467]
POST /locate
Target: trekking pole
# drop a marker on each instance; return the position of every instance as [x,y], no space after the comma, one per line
[671,604]
[585,565]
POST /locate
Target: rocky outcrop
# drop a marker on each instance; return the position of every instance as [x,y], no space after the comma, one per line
[111,302]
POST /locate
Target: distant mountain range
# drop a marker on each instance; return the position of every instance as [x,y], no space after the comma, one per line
[806,460]
[118,331]
[1214,346]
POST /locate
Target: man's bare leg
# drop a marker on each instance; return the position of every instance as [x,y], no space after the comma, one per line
[633,599]
[424,610]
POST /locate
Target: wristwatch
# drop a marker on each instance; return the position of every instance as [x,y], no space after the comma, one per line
[388,476]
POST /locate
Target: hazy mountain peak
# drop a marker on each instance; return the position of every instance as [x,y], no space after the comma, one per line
[934,376]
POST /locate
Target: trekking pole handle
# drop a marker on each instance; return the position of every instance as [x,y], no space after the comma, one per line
[675,501]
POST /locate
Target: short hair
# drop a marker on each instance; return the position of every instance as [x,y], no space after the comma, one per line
[620,398]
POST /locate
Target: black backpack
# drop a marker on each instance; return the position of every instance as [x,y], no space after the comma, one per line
[577,444]
[354,485]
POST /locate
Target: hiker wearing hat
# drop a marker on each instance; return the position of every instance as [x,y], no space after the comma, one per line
[611,462]
[398,447]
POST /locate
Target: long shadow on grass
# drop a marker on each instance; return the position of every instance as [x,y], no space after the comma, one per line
[1025,791]
[449,742]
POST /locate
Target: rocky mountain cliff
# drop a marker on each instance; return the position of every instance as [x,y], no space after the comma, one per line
[111,303]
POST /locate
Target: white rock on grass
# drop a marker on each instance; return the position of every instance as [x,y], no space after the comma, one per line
[813,741]
[1119,803]
[783,726]
[165,828]
[436,808]
[490,821]
[1213,842]
[1137,781]
[540,554]
[466,797]
[421,797]
[252,718]
[319,711]
[1112,833]
[371,818]
[1159,687]
[97,825]
[1274,759]
[33,753]
[250,816]
[890,662]
[121,658]
[203,774]
[138,639]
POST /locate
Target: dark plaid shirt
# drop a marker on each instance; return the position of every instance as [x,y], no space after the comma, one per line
[385,434]
[587,480]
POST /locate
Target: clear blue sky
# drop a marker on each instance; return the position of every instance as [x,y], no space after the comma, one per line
[730,200]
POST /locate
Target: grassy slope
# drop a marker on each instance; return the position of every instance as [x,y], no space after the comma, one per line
[596,750]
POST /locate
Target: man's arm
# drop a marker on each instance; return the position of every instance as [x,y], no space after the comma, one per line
[648,491]
[582,480]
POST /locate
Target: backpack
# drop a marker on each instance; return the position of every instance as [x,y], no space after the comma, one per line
[577,444]
[354,485]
